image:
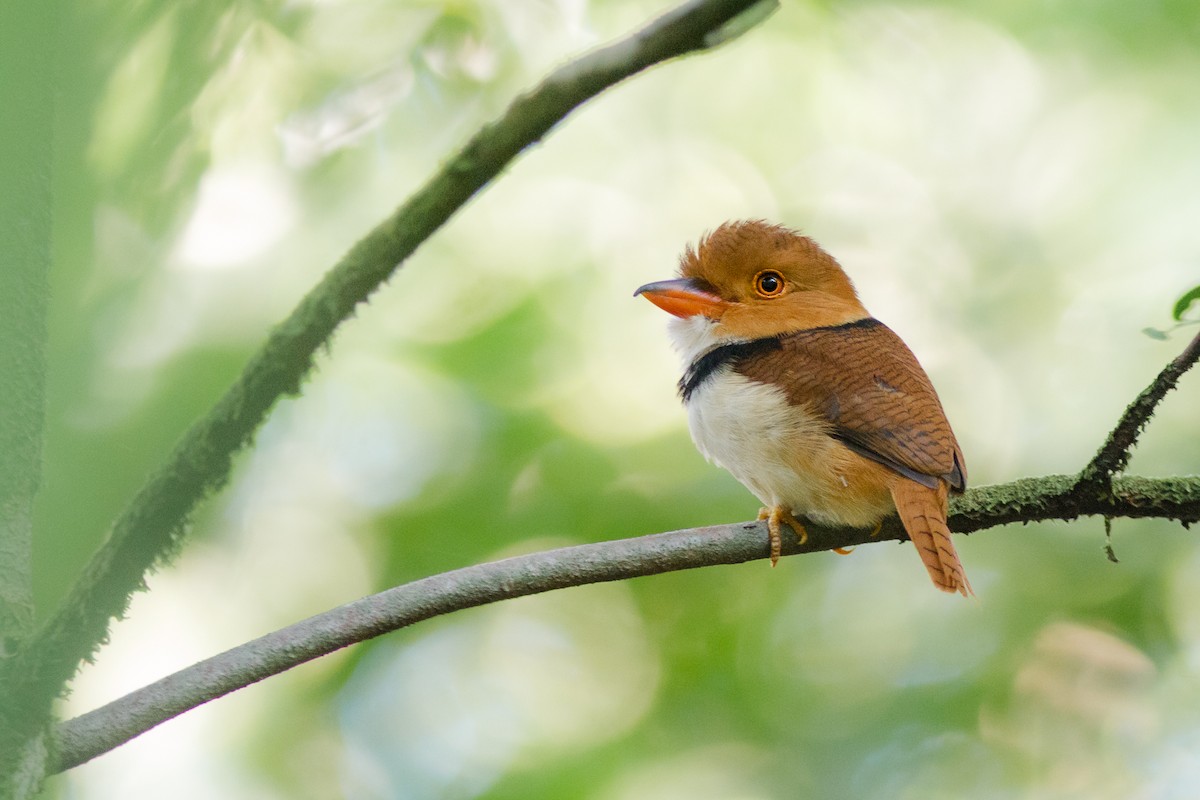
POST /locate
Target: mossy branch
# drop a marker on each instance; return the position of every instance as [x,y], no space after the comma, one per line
[1033,499]
[1114,454]
[150,528]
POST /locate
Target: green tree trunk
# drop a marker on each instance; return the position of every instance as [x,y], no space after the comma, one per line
[27,72]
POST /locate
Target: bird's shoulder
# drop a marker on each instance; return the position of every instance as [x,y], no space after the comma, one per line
[866,382]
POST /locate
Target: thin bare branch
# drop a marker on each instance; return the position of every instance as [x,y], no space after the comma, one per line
[1033,499]
[1114,455]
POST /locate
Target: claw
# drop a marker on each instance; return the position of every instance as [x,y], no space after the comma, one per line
[845,551]
[775,517]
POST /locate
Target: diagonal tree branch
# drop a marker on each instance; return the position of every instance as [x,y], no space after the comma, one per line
[1114,455]
[150,528]
[1027,500]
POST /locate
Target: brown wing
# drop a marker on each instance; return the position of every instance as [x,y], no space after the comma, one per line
[877,398]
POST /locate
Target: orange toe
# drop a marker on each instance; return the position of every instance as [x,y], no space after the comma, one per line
[776,517]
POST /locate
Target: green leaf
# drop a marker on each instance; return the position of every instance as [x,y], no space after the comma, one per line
[1181,305]
[1155,333]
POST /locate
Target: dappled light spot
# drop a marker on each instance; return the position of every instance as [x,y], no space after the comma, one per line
[368,433]
[241,210]
[866,630]
[1081,715]
[732,771]
[511,686]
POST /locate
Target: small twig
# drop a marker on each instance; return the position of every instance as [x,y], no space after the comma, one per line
[1030,499]
[1108,548]
[1114,455]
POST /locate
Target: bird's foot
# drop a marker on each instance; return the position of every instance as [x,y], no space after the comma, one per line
[845,551]
[775,517]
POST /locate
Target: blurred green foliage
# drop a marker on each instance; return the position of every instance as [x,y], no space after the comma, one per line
[1010,184]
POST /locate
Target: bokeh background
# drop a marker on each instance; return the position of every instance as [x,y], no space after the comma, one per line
[1014,188]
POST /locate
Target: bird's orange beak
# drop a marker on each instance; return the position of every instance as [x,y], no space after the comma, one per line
[683,297]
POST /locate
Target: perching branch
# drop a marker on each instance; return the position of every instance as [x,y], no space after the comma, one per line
[151,527]
[1113,456]
[1050,497]
[1028,500]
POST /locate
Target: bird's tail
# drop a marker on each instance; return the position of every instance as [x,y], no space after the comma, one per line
[923,512]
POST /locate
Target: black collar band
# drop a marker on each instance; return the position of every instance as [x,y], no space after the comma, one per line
[713,360]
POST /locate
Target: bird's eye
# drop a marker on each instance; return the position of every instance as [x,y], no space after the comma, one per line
[768,283]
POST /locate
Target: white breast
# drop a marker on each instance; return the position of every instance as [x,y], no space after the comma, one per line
[781,453]
[747,427]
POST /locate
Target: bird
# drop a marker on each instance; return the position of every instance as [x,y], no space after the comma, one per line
[815,406]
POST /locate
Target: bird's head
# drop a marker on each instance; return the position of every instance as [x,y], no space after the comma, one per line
[749,280]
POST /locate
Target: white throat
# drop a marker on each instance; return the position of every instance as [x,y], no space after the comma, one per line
[694,336]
